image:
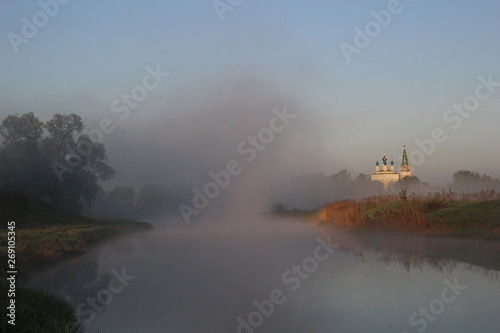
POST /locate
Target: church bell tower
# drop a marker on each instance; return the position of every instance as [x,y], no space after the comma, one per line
[404,169]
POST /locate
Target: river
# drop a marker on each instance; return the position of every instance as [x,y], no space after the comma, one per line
[282,276]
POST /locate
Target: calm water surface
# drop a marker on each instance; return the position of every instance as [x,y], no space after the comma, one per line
[282,276]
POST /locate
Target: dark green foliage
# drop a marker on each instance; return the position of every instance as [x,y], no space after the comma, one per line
[32,213]
[403,194]
[51,161]
[38,311]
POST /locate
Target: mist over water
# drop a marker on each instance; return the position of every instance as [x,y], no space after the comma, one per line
[208,278]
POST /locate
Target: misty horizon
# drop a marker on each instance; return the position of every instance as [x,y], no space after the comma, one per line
[344,119]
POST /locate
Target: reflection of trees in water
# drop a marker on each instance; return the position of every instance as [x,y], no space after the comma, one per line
[418,252]
[494,275]
[139,241]
[74,281]
[79,278]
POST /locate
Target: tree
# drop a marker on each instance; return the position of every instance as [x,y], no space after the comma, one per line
[409,181]
[151,196]
[343,176]
[21,162]
[363,178]
[403,194]
[465,177]
[123,194]
[52,161]
[22,129]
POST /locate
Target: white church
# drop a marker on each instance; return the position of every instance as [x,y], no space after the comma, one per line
[386,176]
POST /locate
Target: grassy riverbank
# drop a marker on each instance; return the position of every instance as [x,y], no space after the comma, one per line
[45,244]
[476,215]
[43,236]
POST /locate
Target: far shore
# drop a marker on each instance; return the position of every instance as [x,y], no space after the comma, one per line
[439,214]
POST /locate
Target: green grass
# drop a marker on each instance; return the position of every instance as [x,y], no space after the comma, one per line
[37,245]
[484,215]
[44,233]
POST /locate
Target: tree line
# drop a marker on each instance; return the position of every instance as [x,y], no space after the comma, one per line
[311,191]
[56,162]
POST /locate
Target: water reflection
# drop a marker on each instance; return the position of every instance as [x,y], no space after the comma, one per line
[210,280]
[79,278]
[416,252]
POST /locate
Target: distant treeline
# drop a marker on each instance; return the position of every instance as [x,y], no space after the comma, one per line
[149,201]
[313,190]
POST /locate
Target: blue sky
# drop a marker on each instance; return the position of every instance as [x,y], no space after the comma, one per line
[394,91]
